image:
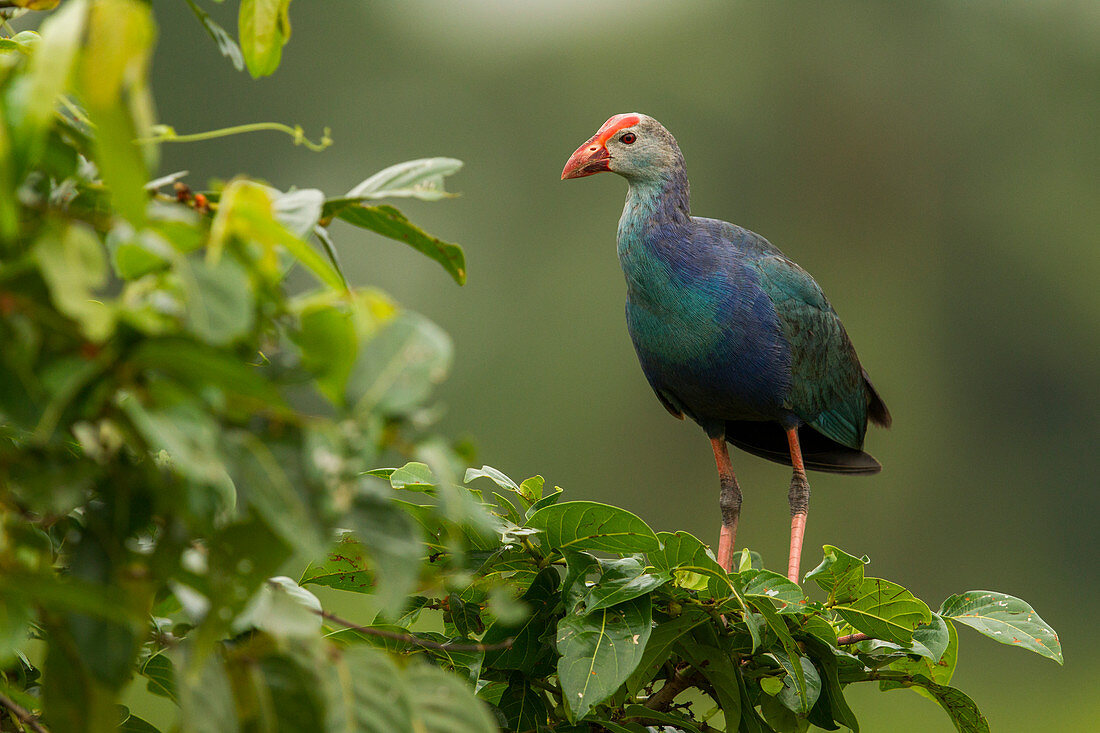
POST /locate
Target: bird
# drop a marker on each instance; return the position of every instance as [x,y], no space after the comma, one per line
[730,332]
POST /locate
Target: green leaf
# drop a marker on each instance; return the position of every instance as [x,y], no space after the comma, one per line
[344,568]
[528,647]
[263,27]
[792,695]
[768,584]
[422,179]
[832,693]
[621,580]
[717,667]
[329,345]
[50,69]
[134,724]
[962,710]
[15,618]
[367,692]
[493,474]
[389,222]
[882,610]
[939,669]
[396,550]
[283,609]
[247,211]
[838,570]
[267,484]
[589,525]
[226,44]
[523,706]
[299,210]
[161,676]
[1004,618]
[206,698]
[202,367]
[220,302]
[114,72]
[805,695]
[465,617]
[661,642]
[690,562]
[412,474]
[73,264]
[599,651]
[931,640]
[397,368]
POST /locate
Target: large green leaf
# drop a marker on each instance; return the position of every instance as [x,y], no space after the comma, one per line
[397,368]
[599,651]
[263,27]
[389,222]
[206,698]
[661,642]
[51,67]
[114,72]
[367,692]
[589,525]
[1006,619]
[220,301]
[529,648]
[422,179]
[394,547]
[523,706]
[718,668]
[962,710]
[882,610]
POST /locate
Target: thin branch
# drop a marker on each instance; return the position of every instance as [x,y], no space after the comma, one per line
[22,713]
[412,639]
[166,134]
[852,639]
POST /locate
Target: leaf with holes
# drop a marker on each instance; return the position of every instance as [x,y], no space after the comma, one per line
[599,651]
[1004,618]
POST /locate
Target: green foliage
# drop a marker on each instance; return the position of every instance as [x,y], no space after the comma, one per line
[181,430]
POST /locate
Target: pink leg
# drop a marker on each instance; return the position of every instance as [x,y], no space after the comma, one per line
[730,502]
[799,497]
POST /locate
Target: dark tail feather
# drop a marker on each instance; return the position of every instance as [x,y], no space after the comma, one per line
[876,408]
[767,440]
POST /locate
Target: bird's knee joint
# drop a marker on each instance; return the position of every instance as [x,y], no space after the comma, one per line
[799,495]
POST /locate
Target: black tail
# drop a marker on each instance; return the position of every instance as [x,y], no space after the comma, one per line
[767,440]
[876,408]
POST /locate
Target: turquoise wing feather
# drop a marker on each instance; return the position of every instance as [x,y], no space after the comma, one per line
[827,383]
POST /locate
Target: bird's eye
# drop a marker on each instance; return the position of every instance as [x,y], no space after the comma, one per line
[628,138]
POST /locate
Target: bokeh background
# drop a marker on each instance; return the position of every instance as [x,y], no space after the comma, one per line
[935,165]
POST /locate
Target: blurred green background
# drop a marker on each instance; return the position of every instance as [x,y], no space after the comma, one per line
[935,165]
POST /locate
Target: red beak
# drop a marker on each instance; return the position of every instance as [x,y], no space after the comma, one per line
[592,157]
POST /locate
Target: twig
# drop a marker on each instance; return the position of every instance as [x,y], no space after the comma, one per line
[679,682]
[412,639]
[852,639]
[22,713]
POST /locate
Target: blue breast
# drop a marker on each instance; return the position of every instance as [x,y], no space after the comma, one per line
[707,336]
